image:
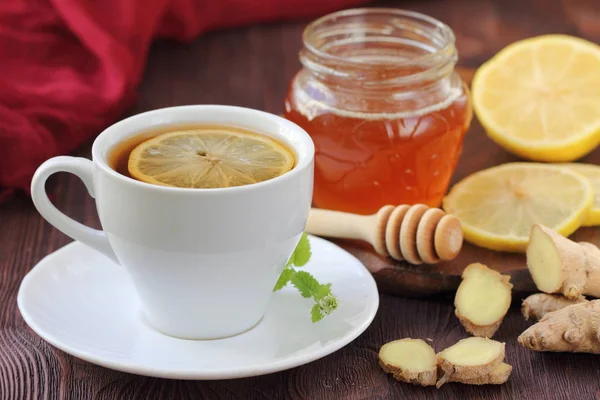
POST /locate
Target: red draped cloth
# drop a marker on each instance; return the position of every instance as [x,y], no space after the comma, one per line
[69,68]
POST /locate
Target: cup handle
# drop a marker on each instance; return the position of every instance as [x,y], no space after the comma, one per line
[83,168]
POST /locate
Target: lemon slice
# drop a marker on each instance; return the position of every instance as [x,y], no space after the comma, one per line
[498,206]
[209,158]
[592,173]
[539,98]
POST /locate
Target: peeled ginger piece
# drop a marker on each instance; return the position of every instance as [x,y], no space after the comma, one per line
[482,300]
[470,358]
[560,265]
[409,360]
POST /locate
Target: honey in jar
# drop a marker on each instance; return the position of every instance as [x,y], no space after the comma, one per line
[380,97]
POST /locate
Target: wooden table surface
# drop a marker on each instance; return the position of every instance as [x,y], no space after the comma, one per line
[251,67]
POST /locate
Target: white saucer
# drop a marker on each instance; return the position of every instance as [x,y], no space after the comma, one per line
[85,305]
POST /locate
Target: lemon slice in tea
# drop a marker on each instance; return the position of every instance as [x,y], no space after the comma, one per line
[209,158]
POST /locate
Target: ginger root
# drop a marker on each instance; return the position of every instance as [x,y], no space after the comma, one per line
[482,300]
[469,359]
[498,376]
[559,265]
[409,360]
[539,304]
[575,328]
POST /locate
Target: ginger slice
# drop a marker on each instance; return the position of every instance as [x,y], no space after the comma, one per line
[482,300]
[470,358]
[539,304]
[409,360]
[575,328]
[498,376]
[559,265]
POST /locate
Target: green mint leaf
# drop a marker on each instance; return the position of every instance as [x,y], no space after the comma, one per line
[284,278]
[302,253]
[322,291]
[316,314]
[306,283]
[290,262]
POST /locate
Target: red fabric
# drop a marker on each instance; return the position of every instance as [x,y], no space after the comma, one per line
[69,68]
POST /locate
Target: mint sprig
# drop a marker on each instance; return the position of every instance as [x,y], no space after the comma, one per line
[307,285]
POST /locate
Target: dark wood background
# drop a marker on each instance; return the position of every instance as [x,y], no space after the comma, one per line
[251,67]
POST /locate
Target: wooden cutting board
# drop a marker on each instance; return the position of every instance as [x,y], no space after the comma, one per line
[403,279]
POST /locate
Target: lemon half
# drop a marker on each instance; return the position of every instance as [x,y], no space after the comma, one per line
[498,206]
[539,98]
[209,158]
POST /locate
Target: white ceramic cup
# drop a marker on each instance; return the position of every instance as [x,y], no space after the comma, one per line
[203,261]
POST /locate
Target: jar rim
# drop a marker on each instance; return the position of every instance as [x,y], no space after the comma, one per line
[448,37]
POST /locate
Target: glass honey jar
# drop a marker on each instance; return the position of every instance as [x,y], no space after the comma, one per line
[380,97]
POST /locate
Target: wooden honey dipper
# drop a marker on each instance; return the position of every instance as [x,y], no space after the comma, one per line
[418,234]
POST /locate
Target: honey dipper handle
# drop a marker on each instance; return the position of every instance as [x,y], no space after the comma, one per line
[338,224]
